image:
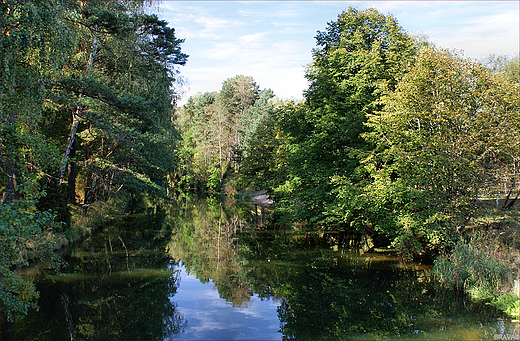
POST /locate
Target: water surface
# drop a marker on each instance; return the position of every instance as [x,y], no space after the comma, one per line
[203,270]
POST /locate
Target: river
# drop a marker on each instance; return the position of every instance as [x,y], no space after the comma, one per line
[198,269]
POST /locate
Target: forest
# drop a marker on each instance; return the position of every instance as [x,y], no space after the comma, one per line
[411,143]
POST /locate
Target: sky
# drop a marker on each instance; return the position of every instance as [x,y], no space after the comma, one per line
[272,41]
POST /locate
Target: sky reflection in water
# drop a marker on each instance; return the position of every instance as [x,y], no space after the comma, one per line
[210,317]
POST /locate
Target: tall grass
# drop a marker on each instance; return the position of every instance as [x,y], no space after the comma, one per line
[485,268]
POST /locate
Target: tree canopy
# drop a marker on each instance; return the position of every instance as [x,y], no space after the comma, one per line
[442,135]
[358,58]
[86,109]
[217,130]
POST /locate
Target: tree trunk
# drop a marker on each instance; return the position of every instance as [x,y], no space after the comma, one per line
[220,149]
[512,202]
[70,142]
[71,178]
[76,116]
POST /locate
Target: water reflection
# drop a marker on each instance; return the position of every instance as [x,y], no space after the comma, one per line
[116,286]
[325,287]
[203,269]
[210,317]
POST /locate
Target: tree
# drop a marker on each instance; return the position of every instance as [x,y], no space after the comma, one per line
[34,44]
[503,65]
[444,130]
[216,127]
[91,80]
[359,57]
[119,94]
[200,123]
[238,94]
[263,157]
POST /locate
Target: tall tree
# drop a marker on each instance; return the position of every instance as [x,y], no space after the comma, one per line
[264,141]
[358,58]
[237,95]
[215,127]
[34,43]
[120,96]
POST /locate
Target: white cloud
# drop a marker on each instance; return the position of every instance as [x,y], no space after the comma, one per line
[253,38]
[221,51]
[477,28]
[210,317]
[481,36]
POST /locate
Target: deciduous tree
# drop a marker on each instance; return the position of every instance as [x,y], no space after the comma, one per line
[358,58]
[441,135]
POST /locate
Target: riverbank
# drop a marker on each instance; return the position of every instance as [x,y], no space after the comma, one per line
[259,197]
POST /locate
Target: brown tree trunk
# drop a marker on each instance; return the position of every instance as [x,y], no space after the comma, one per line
[71,177]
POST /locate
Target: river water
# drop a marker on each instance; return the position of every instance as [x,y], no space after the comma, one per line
[204,270]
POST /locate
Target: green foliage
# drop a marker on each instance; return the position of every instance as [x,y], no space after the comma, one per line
[25,233]
[218,130]
[468,267]
[508,303]
[213,182]
[91,80]
[504,66]
[359,57]
[118,86]
[263,145]
[440,139]
[34,43]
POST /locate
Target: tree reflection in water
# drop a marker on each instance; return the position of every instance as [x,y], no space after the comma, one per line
[115,286]
[326,288]
[121,283]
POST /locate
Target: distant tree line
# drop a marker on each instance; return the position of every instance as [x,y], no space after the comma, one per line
[218,131]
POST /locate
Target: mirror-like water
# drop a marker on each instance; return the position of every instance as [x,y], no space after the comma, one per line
[205,270]
[213,318]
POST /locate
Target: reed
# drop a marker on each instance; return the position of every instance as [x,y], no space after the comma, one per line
[485,262]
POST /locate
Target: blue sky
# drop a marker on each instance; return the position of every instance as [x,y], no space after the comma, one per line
[272,40]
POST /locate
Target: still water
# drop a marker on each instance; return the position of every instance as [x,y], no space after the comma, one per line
[205,270]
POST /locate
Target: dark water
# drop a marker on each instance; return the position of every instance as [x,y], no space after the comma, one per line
[199,269]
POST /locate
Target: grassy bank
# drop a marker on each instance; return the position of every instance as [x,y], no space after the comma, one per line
[485,261]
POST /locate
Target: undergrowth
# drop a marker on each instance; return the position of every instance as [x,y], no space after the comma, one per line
[84,222]
[485,261]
